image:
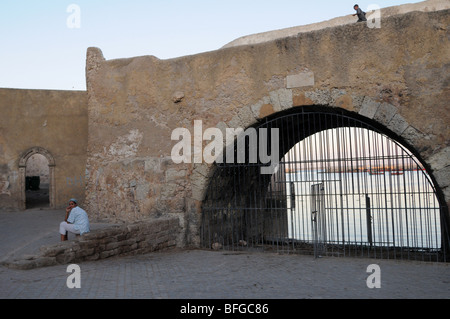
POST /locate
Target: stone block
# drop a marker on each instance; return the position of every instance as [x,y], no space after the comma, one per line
[89,244]
[369,107]
[143,244]
[65,258]
[142,191]
[92,257]
[152,164]
[336,95]
[74,247]
[112,246]
[319,97]
[202,169]
[398,124]
[20,264]
[84,253]
[440,159]
[300,80]
[108,253]
[285,99]
[443,177]
[357,101]
[133,228]
[173,174]
[92,235]
[52,251]
[246,116]
[256,108]
[411,135]
[171,243]
[385,113]
[301,100]
[140,237]
[45,262]
[122,237]
[280,100]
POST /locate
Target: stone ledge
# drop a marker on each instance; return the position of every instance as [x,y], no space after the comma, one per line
[130,239]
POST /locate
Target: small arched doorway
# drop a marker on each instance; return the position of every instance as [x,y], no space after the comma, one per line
[36,169]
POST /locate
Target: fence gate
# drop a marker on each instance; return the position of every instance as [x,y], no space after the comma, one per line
[342,187]
[318,219]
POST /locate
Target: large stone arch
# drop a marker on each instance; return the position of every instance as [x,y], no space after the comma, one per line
[395,83]
[376,115]
[22,174]
[385,116]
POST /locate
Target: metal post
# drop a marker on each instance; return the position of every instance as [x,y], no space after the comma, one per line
[369,221]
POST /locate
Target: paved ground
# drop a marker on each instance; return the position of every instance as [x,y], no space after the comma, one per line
[201,274]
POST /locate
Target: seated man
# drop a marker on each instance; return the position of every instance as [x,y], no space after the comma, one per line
[76,221]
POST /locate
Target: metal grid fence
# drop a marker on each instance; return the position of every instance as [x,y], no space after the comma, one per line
[342,188]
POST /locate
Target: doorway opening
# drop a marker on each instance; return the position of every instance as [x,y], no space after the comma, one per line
[37,182]
[37,179]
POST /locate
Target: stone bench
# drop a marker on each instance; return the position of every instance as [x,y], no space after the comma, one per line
[123,240]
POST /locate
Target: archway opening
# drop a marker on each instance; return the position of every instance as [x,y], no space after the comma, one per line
[343,187]
[354,191]
[37,182]
[37,162]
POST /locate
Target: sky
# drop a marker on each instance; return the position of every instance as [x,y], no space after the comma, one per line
[43,43]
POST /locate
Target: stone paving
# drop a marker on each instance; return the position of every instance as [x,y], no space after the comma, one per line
[207,274]
[201,274]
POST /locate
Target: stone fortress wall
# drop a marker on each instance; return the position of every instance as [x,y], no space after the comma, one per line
[397,78]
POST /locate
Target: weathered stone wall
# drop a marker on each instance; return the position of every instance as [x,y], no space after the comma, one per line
[397,75]
[52,123]
[132,239]
[425,6]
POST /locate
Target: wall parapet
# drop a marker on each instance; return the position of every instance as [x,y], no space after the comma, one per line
[115,241]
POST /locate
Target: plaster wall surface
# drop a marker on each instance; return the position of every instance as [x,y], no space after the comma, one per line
[42,121]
